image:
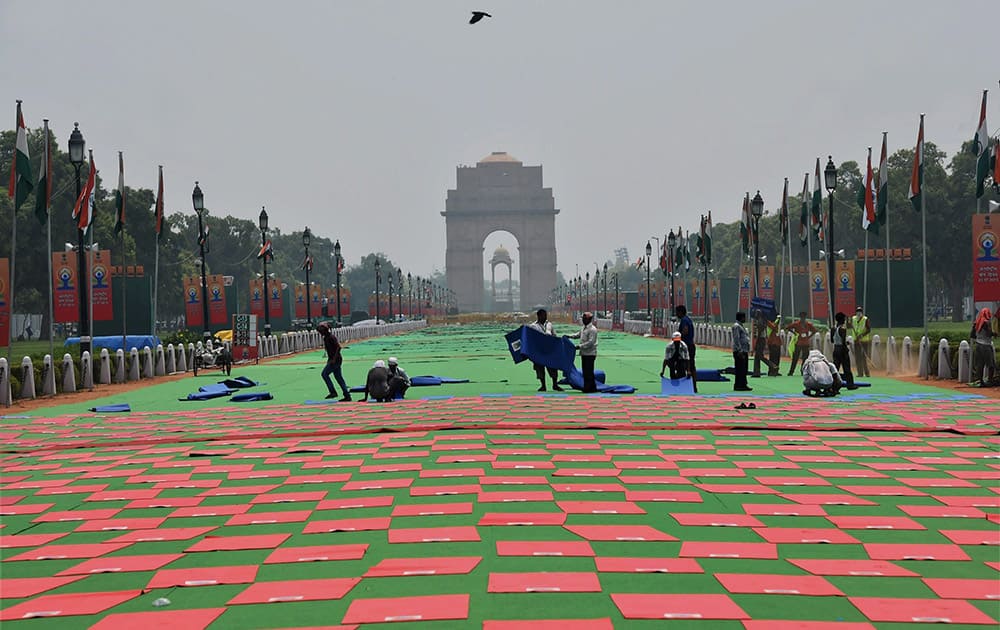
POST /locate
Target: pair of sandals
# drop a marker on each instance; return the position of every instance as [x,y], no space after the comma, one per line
[744,405]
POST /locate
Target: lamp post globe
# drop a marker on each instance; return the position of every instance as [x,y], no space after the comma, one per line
[77,151]
[262,224]
[830,179]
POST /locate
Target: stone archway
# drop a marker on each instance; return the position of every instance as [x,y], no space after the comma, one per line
[500,193]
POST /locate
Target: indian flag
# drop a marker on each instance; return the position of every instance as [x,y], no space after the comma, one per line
[120,197]
[43,198]
[159,206]
[817,205]
[917,176]
[784,214]
[83,209]
[20,169]
[981,146]
[868,219]
[804,215]
[882,197]
[745,225]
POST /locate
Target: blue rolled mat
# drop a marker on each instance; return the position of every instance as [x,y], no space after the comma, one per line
[575,380]
[252,396]
[709,376]
[599,376]
[206,395]
[676,386]
[424,381]
[115,408]
[446,380]
[217,387]
[329,401]
[239,382]
[358,390]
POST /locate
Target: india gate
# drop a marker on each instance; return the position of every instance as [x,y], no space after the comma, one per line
[500,193]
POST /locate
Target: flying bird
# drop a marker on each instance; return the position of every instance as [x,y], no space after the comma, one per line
[478,15]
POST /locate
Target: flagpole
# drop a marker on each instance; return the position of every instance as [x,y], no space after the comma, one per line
[809,253]
[13,237]
[121,219]
[156,280]
[888,286]
[158,223]
[48,230]
[864,297]
[923,245]
[791,275]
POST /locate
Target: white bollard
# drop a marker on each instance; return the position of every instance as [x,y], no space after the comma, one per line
[190,357]
[5,396]
[105,376]
[171,365]
[121,374]
[876,358]
[160,368]
[944,360]
[133,367]
[924,367]
[27,379]
[48,376]
[906,355]
[964,362]
[182,364]
[891,356]
[86,371]
[147,362]
[69,374]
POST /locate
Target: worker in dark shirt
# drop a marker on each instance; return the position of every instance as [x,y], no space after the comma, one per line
[334,362]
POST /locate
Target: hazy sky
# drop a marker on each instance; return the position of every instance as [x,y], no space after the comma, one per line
[351,117]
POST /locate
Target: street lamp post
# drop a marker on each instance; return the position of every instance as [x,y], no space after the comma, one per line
[409,289]
[649,296]
[830,179]
[378,281]
[399,292]
[198,201]
[757,211]
[420,302]
[306,239]
[586,289]
[616,296]
[671,243]
[389,292]
[77,145]
[338,262]
[604,279]
[262,224]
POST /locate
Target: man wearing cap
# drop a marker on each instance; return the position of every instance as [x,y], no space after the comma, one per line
[377,383]
[544,326]
[676,357]
[399,382]
[861,328]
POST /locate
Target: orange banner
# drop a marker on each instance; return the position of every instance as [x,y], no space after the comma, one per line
[846,288]
[746,287]
[766,290]
[300,301]
[217,312]
[257,297]
[192,302]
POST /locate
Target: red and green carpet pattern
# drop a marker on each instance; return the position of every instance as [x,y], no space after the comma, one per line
[504,512]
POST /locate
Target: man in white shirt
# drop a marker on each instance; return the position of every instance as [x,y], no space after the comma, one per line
[544,326]
[588,351]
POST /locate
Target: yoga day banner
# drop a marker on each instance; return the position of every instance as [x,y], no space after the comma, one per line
[192,302]
[217,313]
[985,258]
[746,287]
[257,297]
[846,288]
[767,282]
[817,289]
[65,307]
[100,273]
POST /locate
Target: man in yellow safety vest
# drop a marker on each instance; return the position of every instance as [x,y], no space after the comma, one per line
[861,328]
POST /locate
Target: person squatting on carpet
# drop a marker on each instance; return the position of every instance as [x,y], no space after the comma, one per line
[675,357]
[399,382]
[804,332]
[983,353]
[542,325]
[841,353]
[741,353]
[334,363]
[377,383]
[588,351]
[861,328]
[819,376]
[686,328]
